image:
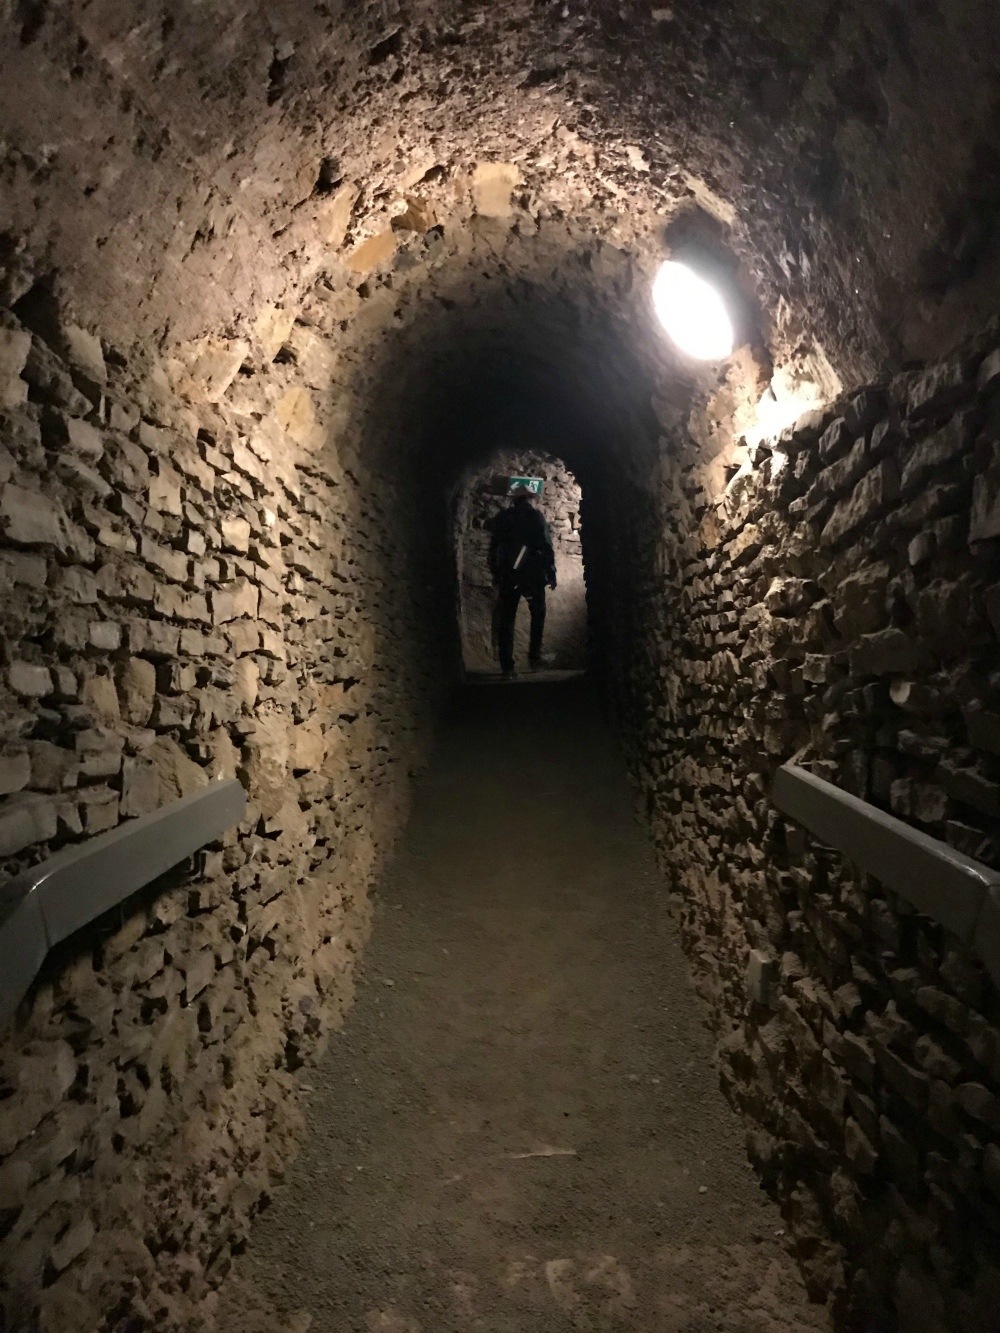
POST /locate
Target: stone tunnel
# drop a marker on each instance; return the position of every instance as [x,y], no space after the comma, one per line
[506,1005]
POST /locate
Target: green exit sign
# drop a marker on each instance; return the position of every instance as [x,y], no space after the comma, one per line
[532,484]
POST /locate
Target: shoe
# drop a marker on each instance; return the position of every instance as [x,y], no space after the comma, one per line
[508,673]
[534,664]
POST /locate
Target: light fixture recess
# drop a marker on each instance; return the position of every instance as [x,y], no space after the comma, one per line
[693,312]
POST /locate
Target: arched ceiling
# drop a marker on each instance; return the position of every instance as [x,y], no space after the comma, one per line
[191,166]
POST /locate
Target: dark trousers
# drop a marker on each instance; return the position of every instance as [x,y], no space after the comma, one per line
[511,592]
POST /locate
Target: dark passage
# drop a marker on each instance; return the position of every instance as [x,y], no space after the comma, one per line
[520,1126]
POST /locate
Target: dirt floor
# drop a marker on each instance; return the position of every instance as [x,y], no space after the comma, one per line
[520,1129]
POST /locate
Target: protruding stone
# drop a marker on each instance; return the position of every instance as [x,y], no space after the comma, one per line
[86,353]
[26,819]
[137,690]
[15,772]
[31,519]
[71,1244]
[373,253]
[15,344]
[31,682]
[493,183]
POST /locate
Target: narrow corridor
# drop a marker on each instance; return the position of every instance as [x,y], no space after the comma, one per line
[520,1127]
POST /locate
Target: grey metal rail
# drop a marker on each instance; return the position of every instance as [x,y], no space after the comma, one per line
[49,902]
[961,894]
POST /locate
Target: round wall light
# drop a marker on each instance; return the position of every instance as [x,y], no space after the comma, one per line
[693,312]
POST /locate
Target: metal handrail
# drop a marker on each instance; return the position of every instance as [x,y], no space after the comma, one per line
[47,903]
[959,893]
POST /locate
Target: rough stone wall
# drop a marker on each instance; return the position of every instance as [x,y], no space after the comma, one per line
[195,580]
[840,603]
[484,496]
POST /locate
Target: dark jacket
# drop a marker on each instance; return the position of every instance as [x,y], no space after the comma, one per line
[522,526]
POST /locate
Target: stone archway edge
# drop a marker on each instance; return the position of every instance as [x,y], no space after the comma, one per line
[47,903]
[959,893]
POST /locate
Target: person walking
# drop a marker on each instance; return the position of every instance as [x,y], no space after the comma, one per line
[522,564]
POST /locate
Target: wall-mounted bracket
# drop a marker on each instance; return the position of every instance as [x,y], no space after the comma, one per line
[961,894]
[49,902]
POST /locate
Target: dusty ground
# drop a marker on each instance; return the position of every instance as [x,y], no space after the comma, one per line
[520,1127]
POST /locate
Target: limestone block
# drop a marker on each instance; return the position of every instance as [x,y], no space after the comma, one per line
[173,564]
[46,372]
[266,759]
[247,464]
[246,682]
[835,441]
[82,479]
[921,801]
[178,605]
[224,758]
[30,682]
[98,809]
[984,522]
[26,819]
[860,1151]
[197,471]
[153,639]
[989,370]
[911,1084]
[936,388]
[493,184]
[83,438]
[15,344]
[104,635]
[272,327]
[978,1102]
[15,772]
[836,480]
[179,775]
[241,598]
[243,637]
[290,821]
[213,364]
[970,787]
[23,568]
[78,585]
[32,519]
[198,969]
[85,353]
[296,415]
[164,491]
[136,681]
[99,695]
[745,545]
[235,534]
[878,489]
[991,1163]
[983,727]
[373,253]
[71,1243]
[761,977]
[888,652]
[933,453]
[140,788]
[53,769]
[315,357]
[309,746]
[865,409]
[334,215]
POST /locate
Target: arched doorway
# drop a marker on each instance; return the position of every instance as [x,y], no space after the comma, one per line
[483,494]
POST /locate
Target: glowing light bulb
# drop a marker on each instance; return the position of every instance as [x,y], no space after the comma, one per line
[693,312]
